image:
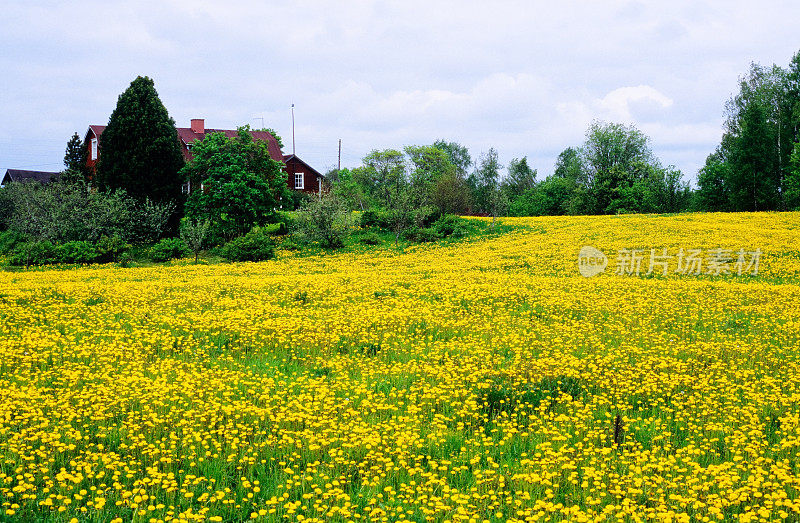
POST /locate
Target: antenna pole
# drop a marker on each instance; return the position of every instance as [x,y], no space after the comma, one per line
[293,129]
[339,166]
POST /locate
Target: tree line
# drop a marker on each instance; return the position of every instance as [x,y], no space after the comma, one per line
[614,171]
[756,166]
[135,195]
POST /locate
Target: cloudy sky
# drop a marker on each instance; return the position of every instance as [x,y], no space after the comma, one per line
[523,77]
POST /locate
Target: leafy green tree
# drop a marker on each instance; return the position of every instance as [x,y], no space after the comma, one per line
[485,182]
[236,184]
[428,164]
[458,155]
[792,192]
[194,234]
[550,197]
[520,177]
[569,165]
[349,191]
[713,184]
[139,148]
[382,171]
[325,220]
[400,209]
[610,145]
[451,194]
[75,158]
[620,171]
[760,133]
[754,180]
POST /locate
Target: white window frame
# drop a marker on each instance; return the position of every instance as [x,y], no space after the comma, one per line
[301,179]
[93,149]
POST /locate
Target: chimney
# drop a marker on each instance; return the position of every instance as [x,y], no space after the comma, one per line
[198,125]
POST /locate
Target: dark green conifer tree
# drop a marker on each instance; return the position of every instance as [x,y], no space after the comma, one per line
[139,149]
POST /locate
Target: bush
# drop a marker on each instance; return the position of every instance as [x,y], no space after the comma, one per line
[148,221]
[64,212]
[425,216]
[276,229]
[9,241]
[110,248]
[450,225]
[289,245]
[324,220]
[420,235]
[168,249]
[375,218]
[370,239]
[77,252]
[193,234]
[254,246]
[287,219]
[34,253]
[295,200]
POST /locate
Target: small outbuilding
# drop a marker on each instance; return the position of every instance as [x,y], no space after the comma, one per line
[20,175]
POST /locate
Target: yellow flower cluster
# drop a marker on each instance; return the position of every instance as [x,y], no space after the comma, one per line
[478,381]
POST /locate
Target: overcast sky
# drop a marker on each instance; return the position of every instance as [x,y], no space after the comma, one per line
[526,78]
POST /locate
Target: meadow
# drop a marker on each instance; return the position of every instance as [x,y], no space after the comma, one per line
[480,380]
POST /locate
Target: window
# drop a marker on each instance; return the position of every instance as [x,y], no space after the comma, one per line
[298,181]
[93,151]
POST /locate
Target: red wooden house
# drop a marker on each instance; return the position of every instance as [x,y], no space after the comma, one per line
[299,175]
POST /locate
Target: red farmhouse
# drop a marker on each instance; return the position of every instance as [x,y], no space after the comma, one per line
[299,175]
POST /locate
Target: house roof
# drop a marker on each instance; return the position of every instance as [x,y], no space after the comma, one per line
[188,136]
[97,130]
[20,175]
[289,157]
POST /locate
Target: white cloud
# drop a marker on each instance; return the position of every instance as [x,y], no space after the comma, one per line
[524,78]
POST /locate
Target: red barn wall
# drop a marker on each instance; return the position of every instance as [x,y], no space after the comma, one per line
[92,164]
[310,180]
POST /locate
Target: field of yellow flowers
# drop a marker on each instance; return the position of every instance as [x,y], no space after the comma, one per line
[482,380]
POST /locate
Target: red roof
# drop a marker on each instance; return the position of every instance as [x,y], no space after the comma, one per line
[187,136]
[97,130]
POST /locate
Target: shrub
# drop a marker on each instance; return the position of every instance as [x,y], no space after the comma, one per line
[64,212]
[287,219]
[425,216]
[421,235]
[110,248]
[295,200]
[254,246]
[193,234]
[450,225]
[77,252]
[276,229]
[168,249]
[371,239]
[40,252]
[148,221]
[289,245]
[375,218]
[324,220]
[9,240]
